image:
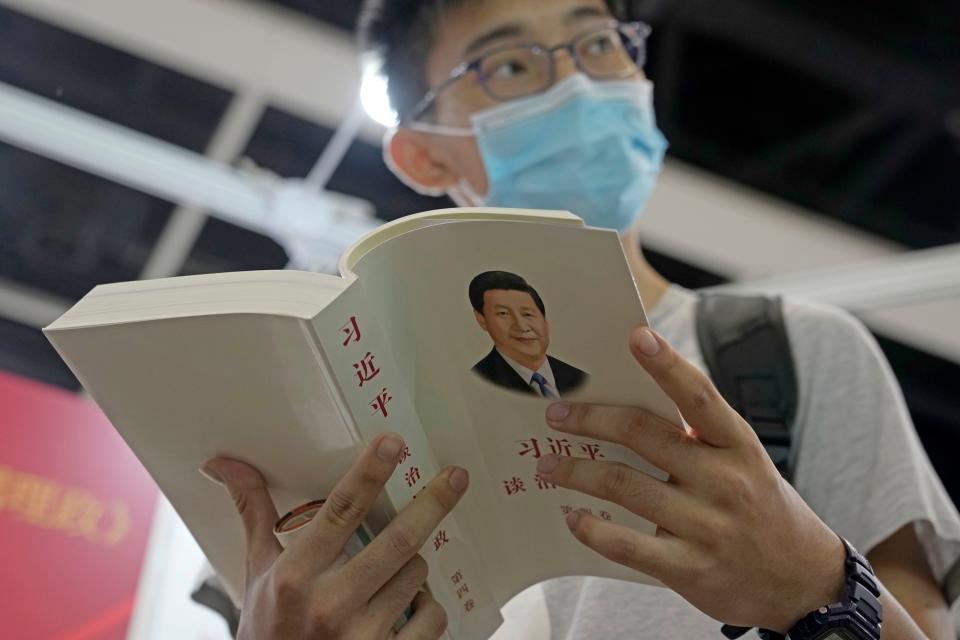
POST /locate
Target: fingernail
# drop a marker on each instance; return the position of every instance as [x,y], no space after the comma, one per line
[558,411]
[573,519]
[548,463]
[458,480]
[645,342]
[208,472]
[389,448]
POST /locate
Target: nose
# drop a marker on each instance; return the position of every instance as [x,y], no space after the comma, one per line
[563,64]
[521,323]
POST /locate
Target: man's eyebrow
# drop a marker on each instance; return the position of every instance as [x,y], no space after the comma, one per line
[511,30]
[581,13]
[514,29]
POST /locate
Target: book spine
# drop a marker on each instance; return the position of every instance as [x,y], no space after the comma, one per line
[375,398]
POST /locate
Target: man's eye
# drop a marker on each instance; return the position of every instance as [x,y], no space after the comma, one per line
[600,46]
[508,69]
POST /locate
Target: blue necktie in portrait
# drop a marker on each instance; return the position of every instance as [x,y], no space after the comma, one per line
[545,389]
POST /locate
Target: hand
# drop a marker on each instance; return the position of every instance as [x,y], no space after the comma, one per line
[295,593]
[733,538]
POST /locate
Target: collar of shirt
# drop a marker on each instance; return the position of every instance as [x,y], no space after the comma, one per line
[527,374]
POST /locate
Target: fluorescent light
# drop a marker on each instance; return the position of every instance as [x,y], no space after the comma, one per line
[375,100]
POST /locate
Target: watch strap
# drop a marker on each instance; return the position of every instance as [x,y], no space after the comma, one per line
[860,605]
[859,613]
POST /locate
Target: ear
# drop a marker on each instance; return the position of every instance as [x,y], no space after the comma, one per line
[481,320]
[410,156]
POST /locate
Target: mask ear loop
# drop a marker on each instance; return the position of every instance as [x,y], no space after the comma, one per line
[465,195]
[461,193]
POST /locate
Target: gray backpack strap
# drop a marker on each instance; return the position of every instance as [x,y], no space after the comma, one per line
[745,346]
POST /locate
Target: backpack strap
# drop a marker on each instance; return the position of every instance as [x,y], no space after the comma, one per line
[745,347]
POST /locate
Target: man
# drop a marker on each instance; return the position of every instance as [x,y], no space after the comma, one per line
[513,314]
[542,103]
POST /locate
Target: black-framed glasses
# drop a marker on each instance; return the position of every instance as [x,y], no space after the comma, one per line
[615,50]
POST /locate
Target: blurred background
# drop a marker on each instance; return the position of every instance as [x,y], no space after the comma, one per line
[815,148]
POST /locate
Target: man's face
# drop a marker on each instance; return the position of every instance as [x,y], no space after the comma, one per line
[464,33]
[516,326]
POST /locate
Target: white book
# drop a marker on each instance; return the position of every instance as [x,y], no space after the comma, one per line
[294,372]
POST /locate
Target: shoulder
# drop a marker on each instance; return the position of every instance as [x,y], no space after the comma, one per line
[859,462]
[828,341]
[559,367]
[489,363]
[805,317]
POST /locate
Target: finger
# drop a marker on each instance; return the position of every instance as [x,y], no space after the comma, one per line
[644,495]
[392,600]
[349,501]
[404,536]
[694,394]
[659,441]
[429,620]
[255,506]
[658,557]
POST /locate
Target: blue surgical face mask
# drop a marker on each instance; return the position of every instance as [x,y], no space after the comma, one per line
[590,147]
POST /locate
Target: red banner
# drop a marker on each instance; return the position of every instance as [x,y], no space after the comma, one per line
[75,513]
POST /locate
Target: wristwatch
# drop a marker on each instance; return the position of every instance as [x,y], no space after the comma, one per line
[858,616]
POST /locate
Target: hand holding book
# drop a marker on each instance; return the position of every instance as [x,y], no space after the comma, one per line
[724,517]
[299,592]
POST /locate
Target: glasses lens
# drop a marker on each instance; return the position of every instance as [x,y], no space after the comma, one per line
[515,72]
[609,53]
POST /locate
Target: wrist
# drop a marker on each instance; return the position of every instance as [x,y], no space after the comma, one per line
[825,582]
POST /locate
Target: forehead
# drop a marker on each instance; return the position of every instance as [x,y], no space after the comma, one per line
[541,21]
[508,298]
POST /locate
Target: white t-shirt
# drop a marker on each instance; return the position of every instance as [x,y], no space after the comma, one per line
[859,465]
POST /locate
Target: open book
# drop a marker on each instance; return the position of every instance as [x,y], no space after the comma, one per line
[293,372]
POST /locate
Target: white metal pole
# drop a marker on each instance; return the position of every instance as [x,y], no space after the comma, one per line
[130,158]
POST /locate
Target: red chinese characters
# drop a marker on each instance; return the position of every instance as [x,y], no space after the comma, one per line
[352,331]
[462,589]
[559,446]
[412,476]
[542,483]
[566,509]
[404,454]
[531,447]
[592,450]
[513,485]
[379,403]
[365,369]
[440,539]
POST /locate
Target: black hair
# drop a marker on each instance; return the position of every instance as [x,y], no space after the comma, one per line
[503,280]
[396,37]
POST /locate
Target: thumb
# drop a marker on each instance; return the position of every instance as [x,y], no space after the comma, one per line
[255,506]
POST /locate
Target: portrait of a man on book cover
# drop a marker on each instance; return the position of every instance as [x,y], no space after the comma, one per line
[515,317]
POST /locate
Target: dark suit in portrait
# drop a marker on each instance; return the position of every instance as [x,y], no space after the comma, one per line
[496,370]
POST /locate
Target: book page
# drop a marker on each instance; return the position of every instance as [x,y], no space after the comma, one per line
[376,393]
[467,395]
[247,386]
[403,225]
